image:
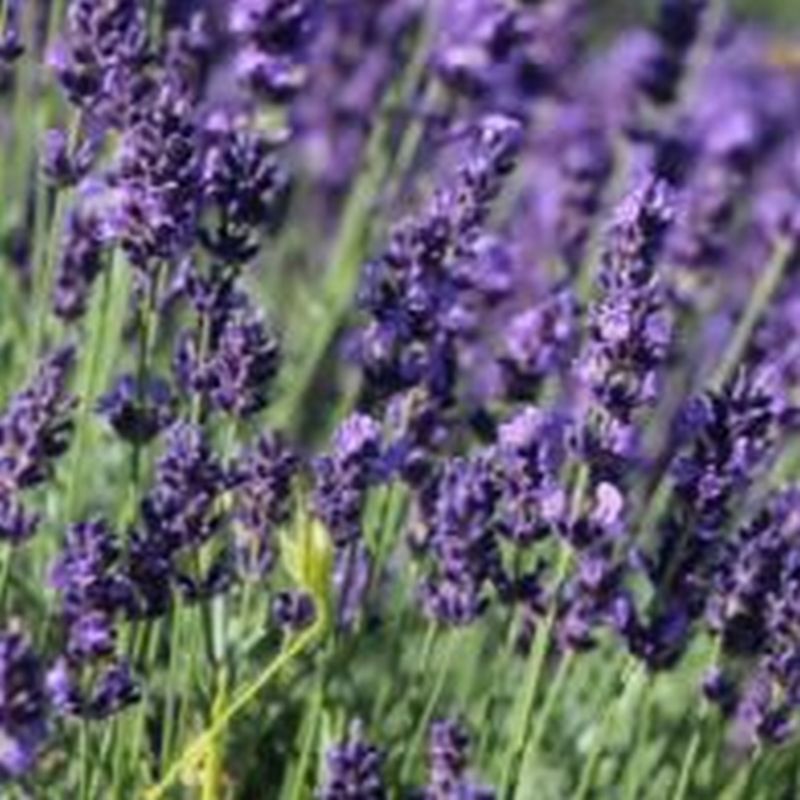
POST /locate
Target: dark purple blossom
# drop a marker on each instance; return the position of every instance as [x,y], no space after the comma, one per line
[158,182]
[677,27]
[263,501]
[629,326]
[461,541]
[274,36]
[233,364]
[353,770]
[344,476]
[100,61]
[415,293]
[538,342]
[138,410]
[66,165]
[181,513]
[23,704]
[35,431]
[246,190]
[83,258]
[530,453]
[448,762]
[293,610]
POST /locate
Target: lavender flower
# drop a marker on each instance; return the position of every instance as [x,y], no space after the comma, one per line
[83,258]
[343,478]
[293,610]
[100,63]
[677,27]
[415,292]
[448,754]
[531,451]
[353,770]
[181,512]
[65,166]
[246,189]
[34,431]
[159,182]
[461,541]
[93,589]
[23,704]
[263,501]
[274,35]
[232,367]
[629,326]
[138,410]
[538,342]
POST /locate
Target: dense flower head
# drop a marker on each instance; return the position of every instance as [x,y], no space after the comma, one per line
[100,62]
[93,589]
[246,188]
[537,342]
[629,325]
[353,770]
[138,410]
[231,358]
[180,513]
[754,610]
[415,292]
[35,430]
[530,454]
[23,704]
[65,164]
[728,436]
[461,541]
[501,56]
[263,501]
[274,36]
[343,477]
[677,27]
[83,258]
[448,760]
[158,180]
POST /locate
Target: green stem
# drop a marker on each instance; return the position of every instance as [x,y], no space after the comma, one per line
[762,294]
[535,672]
[553,694]
[427,714]
[89,389]
[586,778]
[198,747]
[299,789]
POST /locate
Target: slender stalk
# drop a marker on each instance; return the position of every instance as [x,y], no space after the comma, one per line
[535,671]
[299,788]
[693,748]
[762,294]
[98,325]
[633,672]
[553,694]
[242,700]
[427,715]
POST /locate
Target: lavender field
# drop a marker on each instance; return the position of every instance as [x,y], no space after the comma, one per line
[399,400]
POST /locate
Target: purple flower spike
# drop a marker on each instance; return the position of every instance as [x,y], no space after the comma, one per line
[23,706]
[353,770]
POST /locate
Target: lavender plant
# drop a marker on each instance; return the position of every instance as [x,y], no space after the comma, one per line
[399,399]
